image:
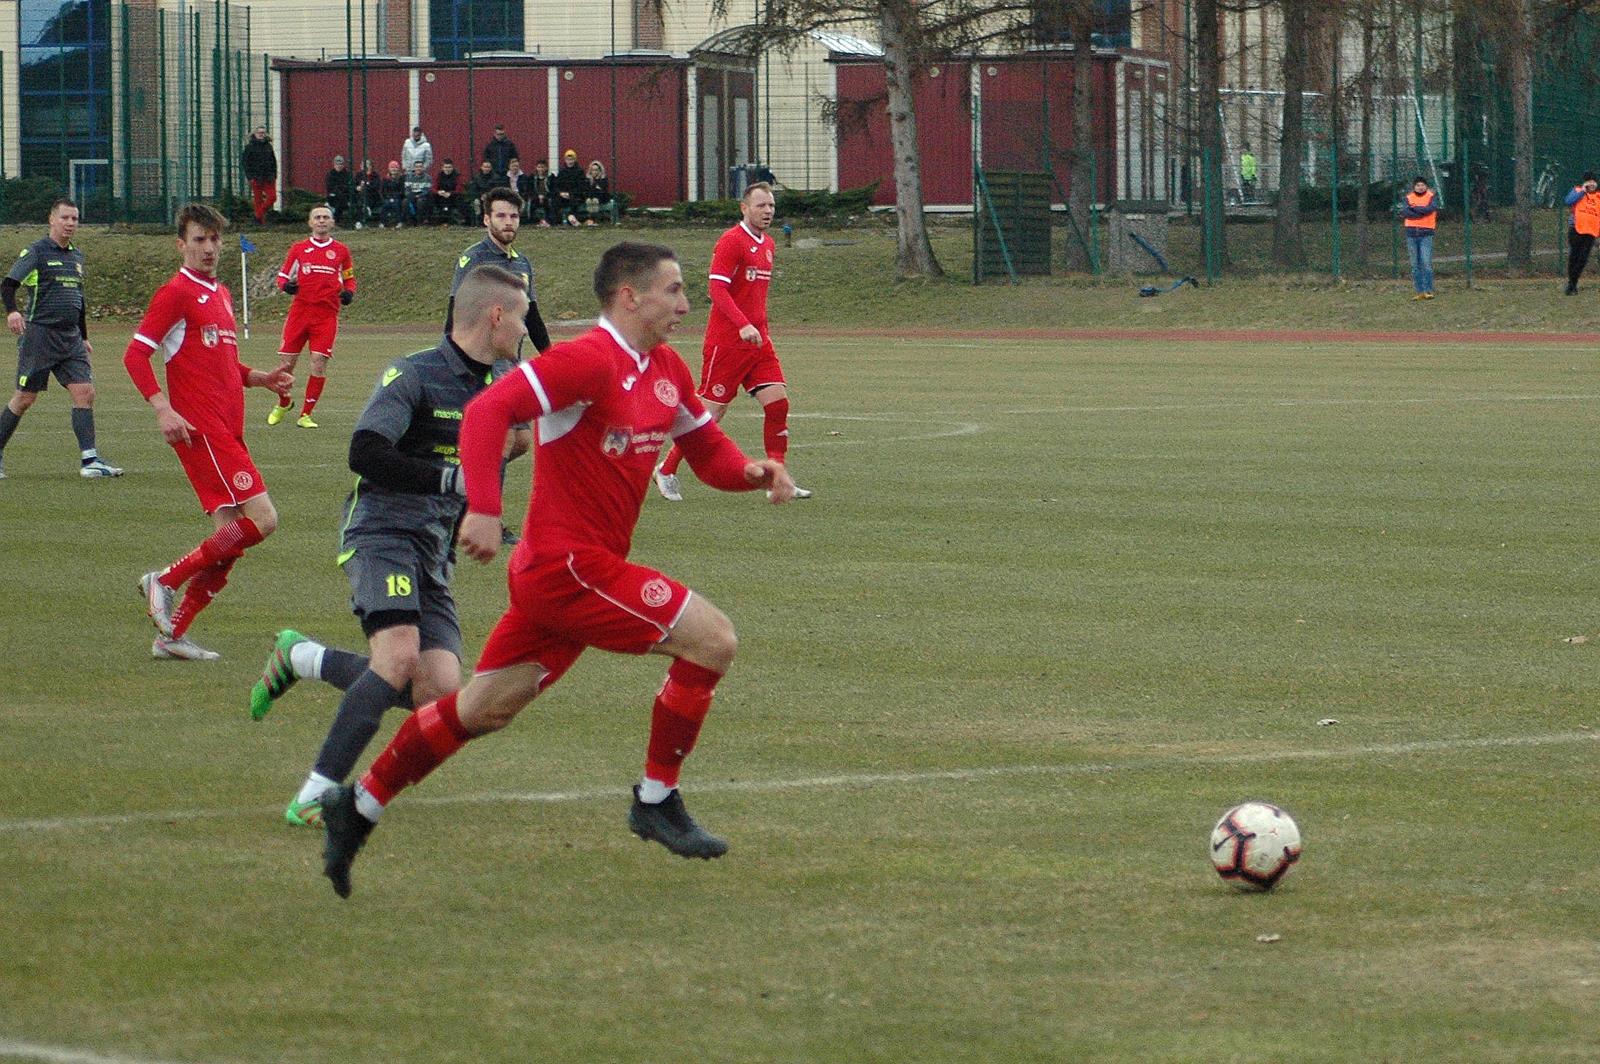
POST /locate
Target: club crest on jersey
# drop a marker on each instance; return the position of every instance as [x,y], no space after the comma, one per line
[208,335]
[667,392]
[243,481]
[656,593]
[718,390]
[750,273]
[615,441]
[329,253]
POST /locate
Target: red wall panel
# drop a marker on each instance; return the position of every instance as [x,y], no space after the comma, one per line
[944,133]
[650,138]
[460,122]
[316,126]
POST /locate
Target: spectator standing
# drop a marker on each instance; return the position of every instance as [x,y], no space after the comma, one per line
[260,164]
[1583,227]
[393,190]
[483,182]
[341,189]
[566,188]
[416,149]
[596,193]
[540,204]
[498,153]
[419,196]
[1249,169]
[1421,214]
[450,195]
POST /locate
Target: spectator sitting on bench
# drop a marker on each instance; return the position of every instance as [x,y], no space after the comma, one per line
[449,195]
[596,194]
[419,196]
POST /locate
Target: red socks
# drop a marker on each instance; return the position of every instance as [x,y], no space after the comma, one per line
[313,393]
[226,544]
[203,587]
[775,428]
[424,742]
[674,459]
[680,708]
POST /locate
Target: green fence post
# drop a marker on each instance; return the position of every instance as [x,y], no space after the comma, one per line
[127,118]
[161,107]
[1466,205]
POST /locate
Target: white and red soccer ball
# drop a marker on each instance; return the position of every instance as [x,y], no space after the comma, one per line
[1254,845]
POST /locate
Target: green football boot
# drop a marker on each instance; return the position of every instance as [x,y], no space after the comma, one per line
[278,675]
[304,814]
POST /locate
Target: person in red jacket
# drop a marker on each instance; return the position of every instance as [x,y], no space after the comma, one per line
[738,351]
[606,403]
[201,414]
[319,273]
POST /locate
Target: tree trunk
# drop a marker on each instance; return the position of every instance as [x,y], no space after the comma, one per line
[914,255]
[1208,101]
[1369,60]
[1288,250]
[1080,198]
[1519,246]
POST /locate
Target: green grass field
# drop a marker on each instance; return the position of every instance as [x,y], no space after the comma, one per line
[1056,605]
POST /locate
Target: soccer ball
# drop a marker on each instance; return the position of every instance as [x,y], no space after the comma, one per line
[1254,845]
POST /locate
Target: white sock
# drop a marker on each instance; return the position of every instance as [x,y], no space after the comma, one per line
[90,453]
[367,805]
[306,659]
[313,787]
[653,792]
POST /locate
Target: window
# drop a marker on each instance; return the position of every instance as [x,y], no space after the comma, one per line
[65,84]
[456,27]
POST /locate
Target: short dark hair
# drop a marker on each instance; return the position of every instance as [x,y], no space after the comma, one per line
[628,263]
[206,217]
[1419,177]
[448,162]
[1588,175]
[64,201]
[500,194]
[481,288]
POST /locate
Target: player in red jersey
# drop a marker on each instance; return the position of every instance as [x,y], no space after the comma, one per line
[190,321]
[319,273]
[738,351]
[606,403]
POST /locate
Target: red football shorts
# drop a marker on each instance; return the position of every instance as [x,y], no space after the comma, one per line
[317,328]
[727,367]
[586,597]
[220,470]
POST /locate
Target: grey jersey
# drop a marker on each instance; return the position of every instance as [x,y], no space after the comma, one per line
[417,406]
[487,253]
[55,276]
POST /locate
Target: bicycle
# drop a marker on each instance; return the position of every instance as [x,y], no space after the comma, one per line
[1545,191]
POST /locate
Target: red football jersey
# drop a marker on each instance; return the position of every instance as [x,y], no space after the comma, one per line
[322,270]
[742,261]
[604,414]
[190,321]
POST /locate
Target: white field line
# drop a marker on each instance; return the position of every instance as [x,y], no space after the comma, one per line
[946,430]
[1268,404]
[851,779]
[13,1050]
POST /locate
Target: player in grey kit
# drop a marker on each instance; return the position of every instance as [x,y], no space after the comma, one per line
[53,335]
[397,538]
[502,216]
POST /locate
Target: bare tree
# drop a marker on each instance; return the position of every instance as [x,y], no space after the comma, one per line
[1367,16]
[1288,250]
[1208,102]
[914,35]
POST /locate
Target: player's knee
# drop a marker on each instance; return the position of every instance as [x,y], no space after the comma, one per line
[319,365]
[266,520]
[22,400]
[82,395]
[718,647]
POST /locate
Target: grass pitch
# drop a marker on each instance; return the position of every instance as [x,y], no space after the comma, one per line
[1055,606]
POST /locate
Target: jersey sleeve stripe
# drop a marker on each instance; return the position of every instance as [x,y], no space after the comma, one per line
[719,277]
[145,339]
[684,423]
[538,388]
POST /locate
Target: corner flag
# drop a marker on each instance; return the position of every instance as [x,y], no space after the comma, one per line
[245,248]
[245,245]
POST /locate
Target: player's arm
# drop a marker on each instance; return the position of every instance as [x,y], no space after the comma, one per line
[26,263]
[279,381]
[164,313]
[717,460]
[537,333]
[724,265]
[347,279]
[288,273]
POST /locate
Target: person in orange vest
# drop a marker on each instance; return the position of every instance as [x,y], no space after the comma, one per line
[1585,218]
[1421,214]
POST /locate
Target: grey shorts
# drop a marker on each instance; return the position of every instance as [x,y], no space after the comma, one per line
[43,350]
[394,581]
